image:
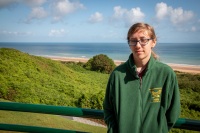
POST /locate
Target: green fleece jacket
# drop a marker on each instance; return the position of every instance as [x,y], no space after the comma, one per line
[141,105]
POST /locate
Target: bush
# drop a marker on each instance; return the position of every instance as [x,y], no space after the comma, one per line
[93,101]
[101,63]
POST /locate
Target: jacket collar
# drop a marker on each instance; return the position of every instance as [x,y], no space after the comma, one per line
[132,67]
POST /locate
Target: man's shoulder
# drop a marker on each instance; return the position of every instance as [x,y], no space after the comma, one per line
[120,69]
[163,66]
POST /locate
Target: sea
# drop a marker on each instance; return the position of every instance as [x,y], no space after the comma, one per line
[171,53]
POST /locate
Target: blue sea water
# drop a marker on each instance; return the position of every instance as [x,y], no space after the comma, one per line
[177,53]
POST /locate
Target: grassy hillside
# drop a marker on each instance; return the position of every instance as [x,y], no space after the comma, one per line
[31,79]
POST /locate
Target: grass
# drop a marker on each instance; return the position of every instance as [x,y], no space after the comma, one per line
[45,120]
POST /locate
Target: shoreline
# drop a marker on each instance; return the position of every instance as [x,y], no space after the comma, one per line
[193,69]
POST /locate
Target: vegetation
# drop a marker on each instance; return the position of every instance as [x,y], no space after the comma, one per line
[31,79]
[189,85]
[101,63]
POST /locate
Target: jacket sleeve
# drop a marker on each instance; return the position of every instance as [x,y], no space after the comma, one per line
[174,105]
[109,113]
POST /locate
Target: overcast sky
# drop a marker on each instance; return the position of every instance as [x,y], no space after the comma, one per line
[97,20]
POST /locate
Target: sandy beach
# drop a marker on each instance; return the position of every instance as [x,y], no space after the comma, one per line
[177,67]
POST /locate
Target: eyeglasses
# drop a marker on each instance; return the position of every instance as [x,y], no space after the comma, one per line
[142,42]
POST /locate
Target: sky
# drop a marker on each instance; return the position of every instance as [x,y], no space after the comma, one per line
[174,21]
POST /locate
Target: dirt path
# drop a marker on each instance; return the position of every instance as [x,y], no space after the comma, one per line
[85,121]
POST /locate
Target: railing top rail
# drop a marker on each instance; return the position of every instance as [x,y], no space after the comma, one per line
[50,109]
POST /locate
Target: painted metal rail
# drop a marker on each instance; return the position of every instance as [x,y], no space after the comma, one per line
[69,111]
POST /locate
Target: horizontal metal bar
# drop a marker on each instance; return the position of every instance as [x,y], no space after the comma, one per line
[34,129]
[188,124]
[50,109]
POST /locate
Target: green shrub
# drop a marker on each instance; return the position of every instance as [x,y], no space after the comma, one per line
[101,63]
[93,101]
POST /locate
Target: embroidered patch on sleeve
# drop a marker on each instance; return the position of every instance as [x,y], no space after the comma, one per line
[156,94]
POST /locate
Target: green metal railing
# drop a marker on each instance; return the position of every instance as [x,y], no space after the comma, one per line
[34,129]
[69,111]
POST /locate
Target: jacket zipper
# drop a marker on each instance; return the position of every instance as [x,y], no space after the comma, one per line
[140,78]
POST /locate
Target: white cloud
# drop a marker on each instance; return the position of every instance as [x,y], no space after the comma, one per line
[15,33]
[130,16]
[193,28]
[96,17]
[176,16]
[57,33]
[134,15]
[179,16]
[161,10]
[57,8]
[37,13]
[119,12]
[61,8]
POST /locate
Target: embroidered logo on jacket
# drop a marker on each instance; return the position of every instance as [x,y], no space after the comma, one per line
[156,94]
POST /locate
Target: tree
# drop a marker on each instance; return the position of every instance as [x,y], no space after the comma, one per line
[101,63]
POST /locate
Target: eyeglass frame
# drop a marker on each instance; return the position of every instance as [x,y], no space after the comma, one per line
[136,41]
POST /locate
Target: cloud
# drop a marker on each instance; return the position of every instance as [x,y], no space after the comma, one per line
[15,33]
[57,9]
[96,17]
[7,3]
[176,16]
[193,28]
[37,13]
[134,15]
[179,16]
[57,33]
[61,8]
[34,3]
[161,10]
[130,16]
[119,12]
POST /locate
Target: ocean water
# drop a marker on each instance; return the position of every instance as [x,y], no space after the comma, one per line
[176,53]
